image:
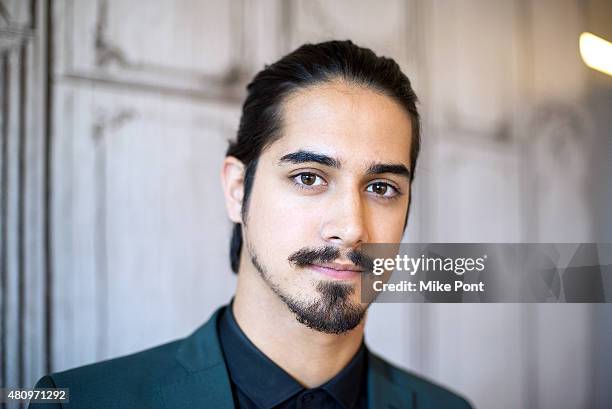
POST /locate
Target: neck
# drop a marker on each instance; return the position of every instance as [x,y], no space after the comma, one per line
[311,357]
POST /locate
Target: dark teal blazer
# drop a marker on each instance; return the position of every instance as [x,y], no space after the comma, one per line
[191,373]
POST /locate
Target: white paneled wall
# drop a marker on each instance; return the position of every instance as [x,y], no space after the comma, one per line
[143,233]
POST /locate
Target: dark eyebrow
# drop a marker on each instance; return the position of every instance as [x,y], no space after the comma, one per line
[303,156]
[397,169]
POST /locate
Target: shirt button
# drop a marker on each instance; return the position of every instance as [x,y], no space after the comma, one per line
[307,397]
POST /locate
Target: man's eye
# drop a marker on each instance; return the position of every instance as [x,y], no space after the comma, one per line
[308,179]
[382,189]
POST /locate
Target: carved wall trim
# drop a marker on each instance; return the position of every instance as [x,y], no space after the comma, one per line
[114,66]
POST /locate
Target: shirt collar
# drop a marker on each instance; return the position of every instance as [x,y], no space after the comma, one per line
[267,384]
[348,384]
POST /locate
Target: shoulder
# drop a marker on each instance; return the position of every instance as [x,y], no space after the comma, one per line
[128,381]
[428,394]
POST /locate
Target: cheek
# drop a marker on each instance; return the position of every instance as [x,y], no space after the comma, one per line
[387,225]
[281,220]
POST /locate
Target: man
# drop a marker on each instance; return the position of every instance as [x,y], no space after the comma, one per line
[323,163]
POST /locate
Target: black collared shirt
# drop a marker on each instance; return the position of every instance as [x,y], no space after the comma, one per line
[257,382]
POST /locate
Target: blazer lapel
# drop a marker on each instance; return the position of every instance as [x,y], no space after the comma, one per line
[206,384]
[383,393]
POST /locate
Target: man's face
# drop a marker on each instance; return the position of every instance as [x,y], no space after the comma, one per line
[336,179]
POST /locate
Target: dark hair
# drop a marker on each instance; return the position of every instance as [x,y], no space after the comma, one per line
[260,124]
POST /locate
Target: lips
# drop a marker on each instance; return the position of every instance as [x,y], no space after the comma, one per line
[337,270]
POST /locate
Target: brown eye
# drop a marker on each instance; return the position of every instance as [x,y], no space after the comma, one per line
[382,189]
[308,179]
[379,188]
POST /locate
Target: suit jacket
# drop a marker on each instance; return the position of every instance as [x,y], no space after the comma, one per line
[191,373]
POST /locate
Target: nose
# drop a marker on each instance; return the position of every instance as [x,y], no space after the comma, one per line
[345,221]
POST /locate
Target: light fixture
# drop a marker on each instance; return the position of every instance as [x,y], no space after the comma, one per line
[596,52]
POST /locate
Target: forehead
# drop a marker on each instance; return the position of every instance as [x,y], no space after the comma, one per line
[351,122]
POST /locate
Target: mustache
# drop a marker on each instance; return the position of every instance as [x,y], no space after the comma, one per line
[327,254]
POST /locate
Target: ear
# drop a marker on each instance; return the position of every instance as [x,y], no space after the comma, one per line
[232,180]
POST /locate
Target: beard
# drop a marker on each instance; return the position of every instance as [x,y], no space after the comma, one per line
[332,312]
